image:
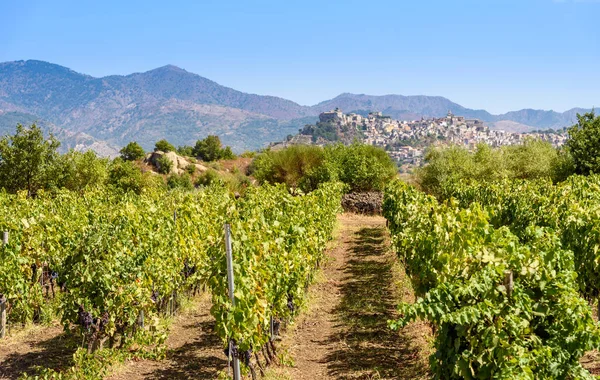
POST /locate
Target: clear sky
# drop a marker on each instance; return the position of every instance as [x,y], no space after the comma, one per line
[500,55]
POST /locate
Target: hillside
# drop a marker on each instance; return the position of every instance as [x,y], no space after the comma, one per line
[169,102]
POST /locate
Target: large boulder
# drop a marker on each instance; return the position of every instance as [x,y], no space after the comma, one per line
[179,163]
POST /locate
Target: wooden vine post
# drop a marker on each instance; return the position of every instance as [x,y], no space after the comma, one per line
[236,362]
[508,282]
[3,298]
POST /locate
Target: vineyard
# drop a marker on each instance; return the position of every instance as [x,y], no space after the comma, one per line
[112,265]
[506,273]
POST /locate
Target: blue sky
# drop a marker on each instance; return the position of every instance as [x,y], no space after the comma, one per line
[498,55]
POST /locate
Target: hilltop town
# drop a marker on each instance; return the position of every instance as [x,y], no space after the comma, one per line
[406,140]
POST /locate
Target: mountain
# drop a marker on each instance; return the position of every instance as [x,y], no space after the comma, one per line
[169,102]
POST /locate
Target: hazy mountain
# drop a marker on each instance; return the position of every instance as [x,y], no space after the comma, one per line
[172,103]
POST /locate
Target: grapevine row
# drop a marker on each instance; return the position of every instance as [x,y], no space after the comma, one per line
[536,327]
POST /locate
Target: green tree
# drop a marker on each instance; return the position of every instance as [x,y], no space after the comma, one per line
[80,171]
[132,151]
[210,149]
[125,176]
[164,146]
[584,144]
[27,160]
[181,181]
[185,151]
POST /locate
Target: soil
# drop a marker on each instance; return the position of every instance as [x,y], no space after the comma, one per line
[344,333]
[35,346]
[193,349]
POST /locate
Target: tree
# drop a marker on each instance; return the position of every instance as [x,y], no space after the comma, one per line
[132,151]
[584,144]
[210,149]
[164,146]
[82,170]
[125,176]
[185,150]
[26,160]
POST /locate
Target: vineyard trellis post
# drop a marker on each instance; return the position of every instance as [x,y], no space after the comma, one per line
[2,298]
[230,282]
[2,316]
[508,282]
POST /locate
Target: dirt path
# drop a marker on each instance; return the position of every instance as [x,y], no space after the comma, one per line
[344,334]
[35,346]
[193,350]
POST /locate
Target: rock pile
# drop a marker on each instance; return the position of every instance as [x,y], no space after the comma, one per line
[363,203]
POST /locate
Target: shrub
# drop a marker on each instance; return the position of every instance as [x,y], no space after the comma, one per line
[207,178]
[82,170]
[125,176]
[164,165]
[190,169]
[182,181]
[532,159]
[132,151]
[164,146]
[296,166]
[361,167]
[185,151]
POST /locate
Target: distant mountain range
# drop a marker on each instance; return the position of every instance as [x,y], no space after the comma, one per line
[169,102]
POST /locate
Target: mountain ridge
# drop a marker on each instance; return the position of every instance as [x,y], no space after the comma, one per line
[170,102]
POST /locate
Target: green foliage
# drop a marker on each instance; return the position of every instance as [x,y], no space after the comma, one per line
[164,146]
[584,144]
[120,254]
[210,149]
[296,166]
[185,151]
[132,152]
[207,178]
[248,154]
[530,160]
[457,261]
[125,176]
[361,167]
[326,131]
[164,165]
[180,181]
[27,160]
[81,171]
[190,169]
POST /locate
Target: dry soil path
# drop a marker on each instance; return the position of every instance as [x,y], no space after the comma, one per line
[344,333]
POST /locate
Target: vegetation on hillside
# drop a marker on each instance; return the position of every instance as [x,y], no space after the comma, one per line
[361,167]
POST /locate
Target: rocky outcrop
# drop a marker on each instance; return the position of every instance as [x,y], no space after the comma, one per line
[179,163]
[363,203]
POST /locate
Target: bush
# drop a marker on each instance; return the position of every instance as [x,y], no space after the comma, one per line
[296,166]
[183,181]
[207,178]
[164,146]
[132,151]
[125,176]
[210,149]
[164,165]
[190,169]
[532,159]
[361,167]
